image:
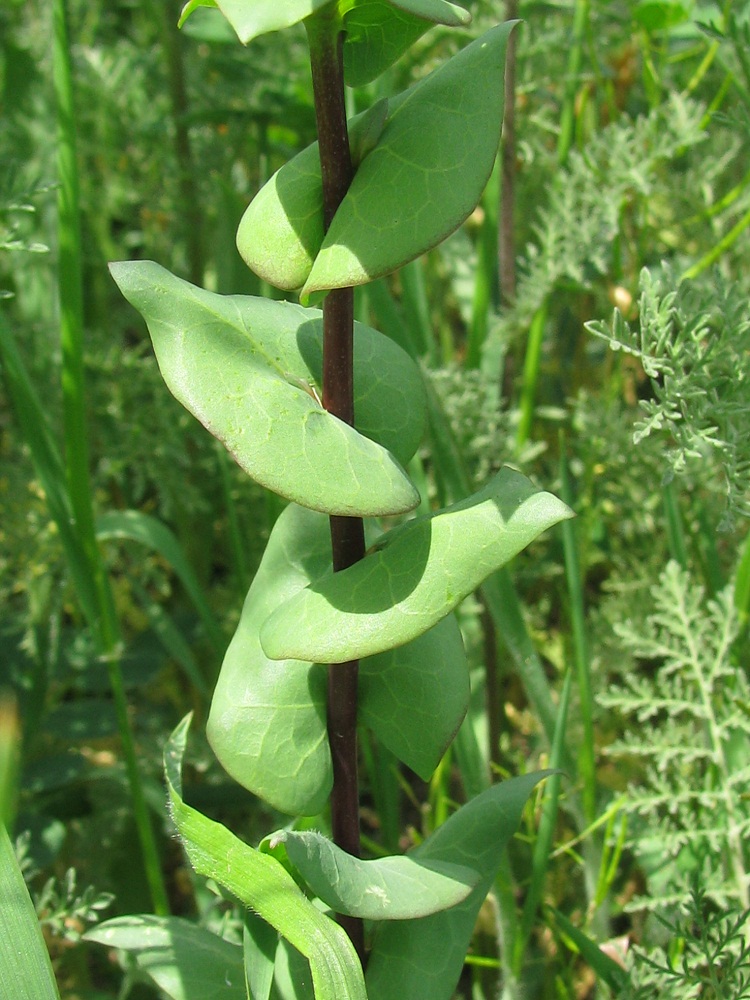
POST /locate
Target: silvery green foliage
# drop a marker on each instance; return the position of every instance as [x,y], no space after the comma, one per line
[578,226]
[706,956]
[686,724]
[693,341]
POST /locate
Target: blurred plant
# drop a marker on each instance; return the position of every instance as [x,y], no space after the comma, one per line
[65,911]
[707,955]
[686,725]
[693,342]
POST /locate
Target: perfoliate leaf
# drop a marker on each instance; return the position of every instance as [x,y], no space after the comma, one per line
[393,888]
[418,183]
[251,18]
[426,174]
[246,368]
[264,885]
[184,961]
[425,957]
[378,33]
[419,574]
[282,228]
[414,697]
[192,6]
[267,723]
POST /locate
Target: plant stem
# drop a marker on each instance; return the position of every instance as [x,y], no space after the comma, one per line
[347,533]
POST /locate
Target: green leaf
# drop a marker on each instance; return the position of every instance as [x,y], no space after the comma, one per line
[191,7]
[393,888]
[415,697]
[378,33]
[421,572]
[437,11]
[259,941]
[262,884]
[425,957]
[282,228]
[426,174]
[251,18]
[267,723]
[426,181]
[187,962]
[25,968]
[246,368]
[606,969]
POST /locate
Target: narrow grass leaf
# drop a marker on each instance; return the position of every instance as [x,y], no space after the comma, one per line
[420,572]
[262,884]
[156,536]
[25,968]
[399,887]
[183,960]
[247,367]
[605,967]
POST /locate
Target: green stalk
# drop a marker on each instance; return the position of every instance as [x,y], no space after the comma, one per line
[724,244]
[586,761]
[531,373]
[103,617]
[486,275]
[325,38]
[547,822]
[506,235]
[575,58]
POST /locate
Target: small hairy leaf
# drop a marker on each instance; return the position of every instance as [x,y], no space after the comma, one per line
[183,960]
[394,888]
[264,885]
[425,957]
[246,367]
[421,572]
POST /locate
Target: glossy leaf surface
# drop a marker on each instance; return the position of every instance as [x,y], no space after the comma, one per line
[267,720]
[245,367]
[425,957]
[423,570]
[393,888]
[183,960]
[251,18]
[426,174]
[262,884]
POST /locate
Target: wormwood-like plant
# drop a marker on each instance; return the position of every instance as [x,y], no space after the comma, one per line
[327,413]
[692,341]
[689,729]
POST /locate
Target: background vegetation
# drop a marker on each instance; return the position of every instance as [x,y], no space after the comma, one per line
[632,193]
